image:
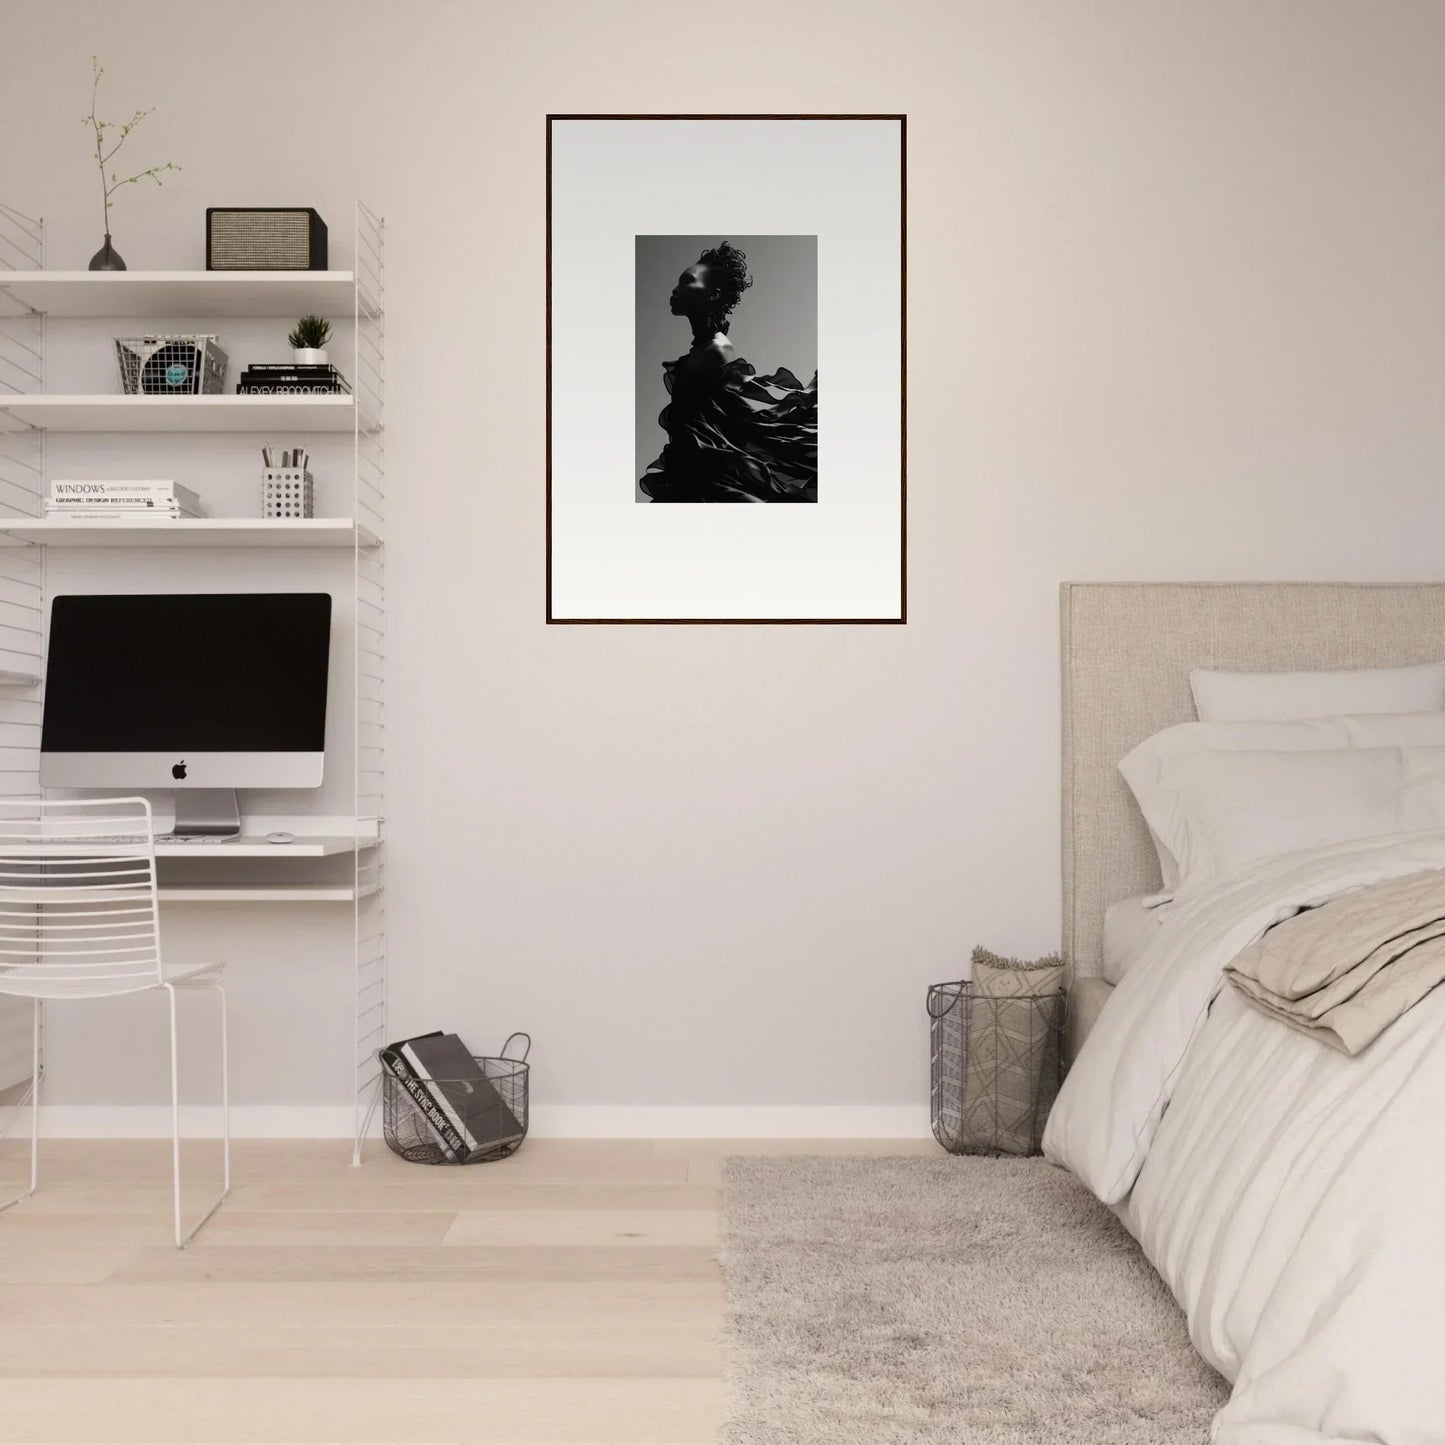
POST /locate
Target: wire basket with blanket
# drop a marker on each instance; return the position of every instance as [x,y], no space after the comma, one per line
[996,1054]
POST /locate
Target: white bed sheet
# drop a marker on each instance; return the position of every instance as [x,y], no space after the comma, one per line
[1293,1204]
[1290,1196]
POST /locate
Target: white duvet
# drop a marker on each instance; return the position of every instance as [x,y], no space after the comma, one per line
[1292,1197]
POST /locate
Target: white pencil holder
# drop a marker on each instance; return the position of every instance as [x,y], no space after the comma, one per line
[287,492]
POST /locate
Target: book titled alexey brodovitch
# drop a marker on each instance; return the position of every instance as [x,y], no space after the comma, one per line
[461,1106]
[291,379]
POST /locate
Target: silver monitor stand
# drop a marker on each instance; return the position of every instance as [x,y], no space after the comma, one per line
[207,813]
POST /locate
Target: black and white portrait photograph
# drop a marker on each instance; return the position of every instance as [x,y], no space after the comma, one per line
[734,417]
[726,323]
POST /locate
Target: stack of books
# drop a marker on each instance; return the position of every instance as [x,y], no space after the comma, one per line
[460,1105]
[90,500]
[284,378]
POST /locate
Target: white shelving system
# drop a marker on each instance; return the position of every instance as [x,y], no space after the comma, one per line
[31,296]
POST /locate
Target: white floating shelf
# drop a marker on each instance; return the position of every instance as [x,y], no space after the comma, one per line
[182,413]
[186,532]
[183,293]
[258,847]
[249,846]
[262,892]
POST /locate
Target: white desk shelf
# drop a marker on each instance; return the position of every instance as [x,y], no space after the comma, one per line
[34,427]
[263,892]
[220,413]
[320,846]
[187,532]
[184,293]
[326,846]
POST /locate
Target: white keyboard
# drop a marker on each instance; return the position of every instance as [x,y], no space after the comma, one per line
[109,838]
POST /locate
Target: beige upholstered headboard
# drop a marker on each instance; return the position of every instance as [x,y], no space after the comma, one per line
[1127,652]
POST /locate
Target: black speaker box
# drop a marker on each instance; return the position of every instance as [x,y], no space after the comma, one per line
[265,238]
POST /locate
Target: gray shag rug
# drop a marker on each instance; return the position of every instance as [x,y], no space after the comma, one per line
[972,1301]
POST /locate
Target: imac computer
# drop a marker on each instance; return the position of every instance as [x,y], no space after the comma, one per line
[198,693]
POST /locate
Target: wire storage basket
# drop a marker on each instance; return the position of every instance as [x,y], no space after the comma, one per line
[410,1133]
[995,1068]
[171,365]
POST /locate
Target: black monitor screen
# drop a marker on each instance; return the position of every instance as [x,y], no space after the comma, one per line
[206,673]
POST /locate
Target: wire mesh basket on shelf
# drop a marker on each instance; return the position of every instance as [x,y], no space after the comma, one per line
[995,1068]
[170,365]
[409,1133]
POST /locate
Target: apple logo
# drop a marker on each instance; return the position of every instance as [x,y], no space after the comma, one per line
[179,771]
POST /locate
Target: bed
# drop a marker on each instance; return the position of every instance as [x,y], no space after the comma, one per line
[1291,1197]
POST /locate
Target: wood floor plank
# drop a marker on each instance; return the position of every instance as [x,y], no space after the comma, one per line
[22,1226]
[592,1167]
[290,1161]
[432,1192]
[705,1156]
[443,1304]
[226,1264]
[55,1197]
[618,1228]
[75,1262]
[692,1149]
[421,1191]
[418,1350]
[179,1411]
[335,1228]
[137,1161]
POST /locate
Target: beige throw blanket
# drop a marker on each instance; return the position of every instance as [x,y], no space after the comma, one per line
[1344,972]
[1015,1019]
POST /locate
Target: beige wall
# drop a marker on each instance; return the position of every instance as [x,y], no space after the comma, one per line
[1177,311]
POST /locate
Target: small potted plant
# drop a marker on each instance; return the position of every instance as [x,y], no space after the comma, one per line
[308,340]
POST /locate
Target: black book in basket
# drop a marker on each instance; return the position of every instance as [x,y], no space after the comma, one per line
[444,1105]
[426,1107]
[445,1067]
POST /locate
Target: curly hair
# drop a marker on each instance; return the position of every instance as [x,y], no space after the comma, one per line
[728,268]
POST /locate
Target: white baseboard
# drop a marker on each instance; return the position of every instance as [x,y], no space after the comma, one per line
[731,1121]
[551,1121]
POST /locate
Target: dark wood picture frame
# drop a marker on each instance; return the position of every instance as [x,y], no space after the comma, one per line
[902,617]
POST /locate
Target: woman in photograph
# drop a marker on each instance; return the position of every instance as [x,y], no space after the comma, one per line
[732,436]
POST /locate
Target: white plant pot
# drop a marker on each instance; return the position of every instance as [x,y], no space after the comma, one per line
[310,356]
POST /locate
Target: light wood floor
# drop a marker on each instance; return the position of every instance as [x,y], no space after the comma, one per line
[567,1296]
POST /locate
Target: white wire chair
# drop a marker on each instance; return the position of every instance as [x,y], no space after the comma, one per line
[79,918]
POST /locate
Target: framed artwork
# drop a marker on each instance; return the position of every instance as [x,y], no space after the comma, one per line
[725,324]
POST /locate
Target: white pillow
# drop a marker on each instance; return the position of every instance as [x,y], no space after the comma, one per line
[1143,769]
[1422,793]
[1130,927]
[1286,696]
[1219,812]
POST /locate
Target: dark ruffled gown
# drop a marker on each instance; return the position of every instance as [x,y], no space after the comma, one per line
[734,436]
